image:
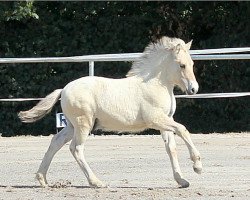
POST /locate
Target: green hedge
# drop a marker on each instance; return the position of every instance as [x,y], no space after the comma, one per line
[47,29]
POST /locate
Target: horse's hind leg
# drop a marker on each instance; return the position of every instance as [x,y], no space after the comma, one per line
[58,140]
[82,127]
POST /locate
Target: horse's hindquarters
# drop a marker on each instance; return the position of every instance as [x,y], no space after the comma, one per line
[77,100]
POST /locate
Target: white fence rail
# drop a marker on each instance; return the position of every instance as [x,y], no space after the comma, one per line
[206,54]
[195,54]
[115,57]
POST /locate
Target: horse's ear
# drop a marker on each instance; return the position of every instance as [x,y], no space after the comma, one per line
[177,48]
[188,45]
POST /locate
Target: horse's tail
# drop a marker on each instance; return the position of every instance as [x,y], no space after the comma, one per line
[41,109]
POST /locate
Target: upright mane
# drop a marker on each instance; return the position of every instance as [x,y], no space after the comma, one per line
[148,65]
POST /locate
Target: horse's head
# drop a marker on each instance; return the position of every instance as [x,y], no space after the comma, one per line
[170,52]
[182,68]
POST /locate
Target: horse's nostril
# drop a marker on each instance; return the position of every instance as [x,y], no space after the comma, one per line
[192,91]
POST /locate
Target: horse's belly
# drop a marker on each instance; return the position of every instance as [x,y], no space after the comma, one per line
[120,123]
[120,127]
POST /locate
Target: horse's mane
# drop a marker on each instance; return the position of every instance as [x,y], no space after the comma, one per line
[148,64]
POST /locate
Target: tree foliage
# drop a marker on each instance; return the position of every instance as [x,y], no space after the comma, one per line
[47,29]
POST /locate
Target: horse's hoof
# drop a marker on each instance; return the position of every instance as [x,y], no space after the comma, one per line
[97,184]
[183,183]
[42,180]
[198,167]
[198,170]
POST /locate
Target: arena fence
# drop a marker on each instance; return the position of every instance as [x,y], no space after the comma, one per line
[206,54]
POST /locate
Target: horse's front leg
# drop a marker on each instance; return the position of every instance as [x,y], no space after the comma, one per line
[164,123]
[194,153]
[170,144]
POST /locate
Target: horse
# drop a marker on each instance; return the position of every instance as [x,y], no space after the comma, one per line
[144,99]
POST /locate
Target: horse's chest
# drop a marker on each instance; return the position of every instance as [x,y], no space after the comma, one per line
[162,103]
[172,106]
[169,106]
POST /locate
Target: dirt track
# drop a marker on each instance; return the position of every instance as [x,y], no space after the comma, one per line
[135,167]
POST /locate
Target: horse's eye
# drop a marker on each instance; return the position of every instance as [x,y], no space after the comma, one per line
[182,66]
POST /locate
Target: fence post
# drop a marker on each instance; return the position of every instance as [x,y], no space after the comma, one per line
[91,68]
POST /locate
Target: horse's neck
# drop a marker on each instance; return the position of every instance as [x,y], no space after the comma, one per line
[155,90]
[163,85]
[164,89]
[164,78]
[169,87]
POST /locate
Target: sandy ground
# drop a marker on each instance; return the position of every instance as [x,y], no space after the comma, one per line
[135,167]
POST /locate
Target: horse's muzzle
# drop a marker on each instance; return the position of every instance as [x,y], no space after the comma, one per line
[193,87]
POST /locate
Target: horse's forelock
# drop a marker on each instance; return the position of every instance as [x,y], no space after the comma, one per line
[164,43]
[170,43]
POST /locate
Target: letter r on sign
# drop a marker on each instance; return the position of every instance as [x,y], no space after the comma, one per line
[60,120]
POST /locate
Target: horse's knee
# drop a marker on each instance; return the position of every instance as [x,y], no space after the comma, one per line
[182,131]
[168,138]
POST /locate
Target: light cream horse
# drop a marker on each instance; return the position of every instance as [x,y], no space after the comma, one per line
[141,101]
